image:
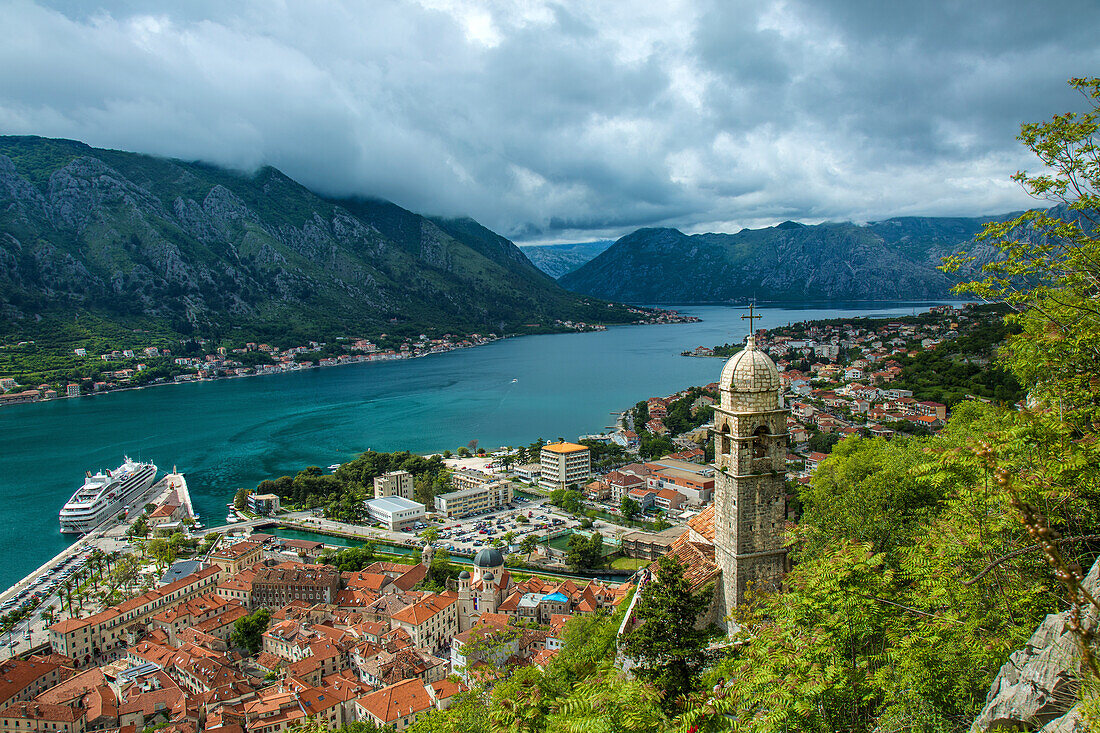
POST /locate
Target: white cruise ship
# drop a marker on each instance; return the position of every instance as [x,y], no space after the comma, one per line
[105,494]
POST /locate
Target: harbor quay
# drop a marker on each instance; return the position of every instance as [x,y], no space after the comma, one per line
[42,588]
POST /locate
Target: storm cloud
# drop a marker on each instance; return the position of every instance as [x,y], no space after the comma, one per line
[567,121]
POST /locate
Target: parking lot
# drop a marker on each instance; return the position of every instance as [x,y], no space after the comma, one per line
[472,533]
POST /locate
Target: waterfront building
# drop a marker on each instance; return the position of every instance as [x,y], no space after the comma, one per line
[265,504]
[394,483]
[463,503]
[564,465]
[304,549]
[469,478]
[395,512]
[528,471]
[29,395]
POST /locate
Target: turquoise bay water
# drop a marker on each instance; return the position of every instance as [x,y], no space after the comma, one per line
[234,433]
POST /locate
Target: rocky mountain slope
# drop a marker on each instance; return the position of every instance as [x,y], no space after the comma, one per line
[193,248]
[1039,687]
[559,259]
[894,259]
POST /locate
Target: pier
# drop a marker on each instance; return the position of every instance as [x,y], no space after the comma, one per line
[175,481]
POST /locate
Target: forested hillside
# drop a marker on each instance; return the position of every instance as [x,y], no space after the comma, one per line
[95,241]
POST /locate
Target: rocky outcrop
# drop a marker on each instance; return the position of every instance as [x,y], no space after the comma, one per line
[1037,687]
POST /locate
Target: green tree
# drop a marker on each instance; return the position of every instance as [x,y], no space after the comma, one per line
[240,499]
[629,507]
[585,552]
[667,646]
[528,545]
[609,701]
[248,630]
[1049,269]
[568,499]
[820,442]
[351,560]
[440,571]
[866,491]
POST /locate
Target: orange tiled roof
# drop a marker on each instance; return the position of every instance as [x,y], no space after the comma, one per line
[563,447]
[16,675]
[423,610]
[697,559]
[703,523]
[392,703]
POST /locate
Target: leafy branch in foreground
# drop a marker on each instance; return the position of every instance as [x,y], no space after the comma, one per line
[1047,267]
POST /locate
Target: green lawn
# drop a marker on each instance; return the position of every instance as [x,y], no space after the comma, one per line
[628,563]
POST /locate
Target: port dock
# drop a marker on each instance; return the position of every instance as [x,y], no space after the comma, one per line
[176,481]
[109,537]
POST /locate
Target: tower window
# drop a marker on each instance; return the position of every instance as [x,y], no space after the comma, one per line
[759,446]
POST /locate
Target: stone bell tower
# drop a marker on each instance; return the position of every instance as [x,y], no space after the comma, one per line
[750,456]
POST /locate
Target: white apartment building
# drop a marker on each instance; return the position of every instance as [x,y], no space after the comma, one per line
[564,465]
[394,483]
[475,500]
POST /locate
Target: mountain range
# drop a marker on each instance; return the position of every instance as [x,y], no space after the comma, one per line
[560,259]
[189,248]
[895,259]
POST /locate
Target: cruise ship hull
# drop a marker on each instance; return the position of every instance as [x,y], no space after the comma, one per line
[105,495]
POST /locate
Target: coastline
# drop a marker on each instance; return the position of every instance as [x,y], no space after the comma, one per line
[243,432]
[407,356]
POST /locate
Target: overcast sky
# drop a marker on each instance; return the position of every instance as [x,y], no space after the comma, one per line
[571,120]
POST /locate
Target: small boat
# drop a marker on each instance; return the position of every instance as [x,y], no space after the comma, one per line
[231,518]
[514,381]
[334,466]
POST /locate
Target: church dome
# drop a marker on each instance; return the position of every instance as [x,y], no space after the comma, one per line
[488,557]
[487,578]
[464,575]
[750,370]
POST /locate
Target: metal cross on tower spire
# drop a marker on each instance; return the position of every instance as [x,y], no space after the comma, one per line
[750,317]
